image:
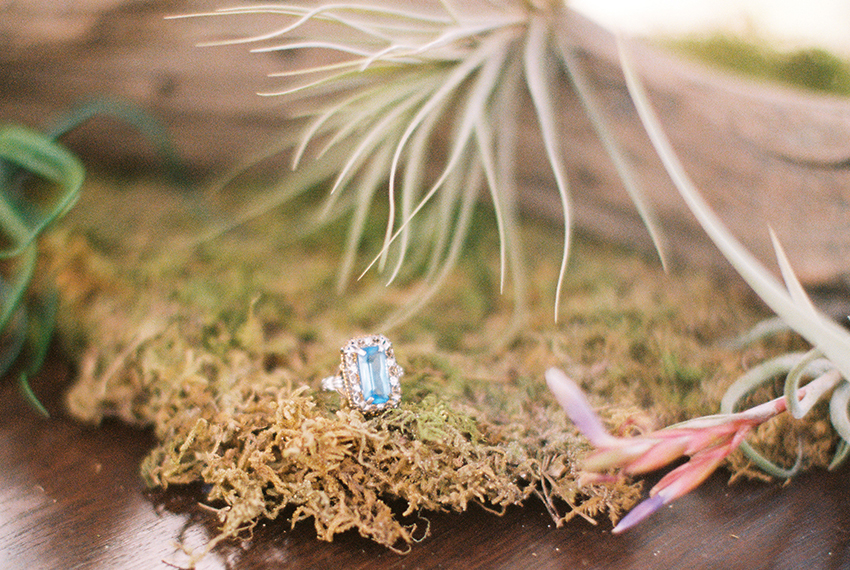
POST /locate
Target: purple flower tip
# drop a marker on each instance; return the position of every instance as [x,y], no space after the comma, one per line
[575,403]
[639,513]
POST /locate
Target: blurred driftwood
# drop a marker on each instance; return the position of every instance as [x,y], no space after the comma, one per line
[762,155]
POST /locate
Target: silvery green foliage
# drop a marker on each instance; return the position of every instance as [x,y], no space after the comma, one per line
[709,440]
[387,78]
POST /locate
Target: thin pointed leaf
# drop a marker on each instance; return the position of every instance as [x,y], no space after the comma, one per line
[534,61]
[484,140]
[371,140]
[30,397]
[14,336]
[377,101]
[842,451]
[332,46]
[838,411]
[456,78]
[413,173]
[442,216]
[331,79]
[458,75]
[612,147]
[367,187]
[795,288]
[474,108]
[467,204]
[506,158]
[17,285]
[40,331]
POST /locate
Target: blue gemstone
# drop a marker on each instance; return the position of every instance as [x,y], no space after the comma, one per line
[374,374]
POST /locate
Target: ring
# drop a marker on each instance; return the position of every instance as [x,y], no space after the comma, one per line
[369,376]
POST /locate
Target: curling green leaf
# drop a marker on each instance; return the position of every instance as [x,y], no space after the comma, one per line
[41,322]
[39,154]
[27,211]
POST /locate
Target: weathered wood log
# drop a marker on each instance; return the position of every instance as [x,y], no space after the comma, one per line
[762,155]
[56,55]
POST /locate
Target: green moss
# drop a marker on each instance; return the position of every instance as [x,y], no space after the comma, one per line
[813,69]
[221,350]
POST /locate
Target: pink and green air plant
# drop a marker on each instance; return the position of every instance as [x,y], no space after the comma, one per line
[707,441]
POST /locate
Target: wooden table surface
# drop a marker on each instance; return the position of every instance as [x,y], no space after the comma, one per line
[71,498]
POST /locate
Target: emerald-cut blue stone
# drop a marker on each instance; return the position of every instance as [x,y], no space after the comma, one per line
[374,374]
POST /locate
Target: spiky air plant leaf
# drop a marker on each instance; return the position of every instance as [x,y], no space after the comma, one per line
[379,86]
[789,301]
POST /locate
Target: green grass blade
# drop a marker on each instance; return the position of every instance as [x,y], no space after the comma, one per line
[40,331]
[140,120]
[18,286]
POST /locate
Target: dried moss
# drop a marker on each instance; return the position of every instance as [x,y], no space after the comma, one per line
[221,348]
[264,446]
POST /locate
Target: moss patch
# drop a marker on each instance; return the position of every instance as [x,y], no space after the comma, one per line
[813,69]
[221,348]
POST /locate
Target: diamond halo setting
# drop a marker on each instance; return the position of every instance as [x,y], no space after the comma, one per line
[369,377]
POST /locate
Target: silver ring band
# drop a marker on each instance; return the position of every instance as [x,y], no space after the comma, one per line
[332,383]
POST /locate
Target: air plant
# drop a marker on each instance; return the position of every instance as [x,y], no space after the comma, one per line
[378,84]
[22,220]
[27,210]
[709,440]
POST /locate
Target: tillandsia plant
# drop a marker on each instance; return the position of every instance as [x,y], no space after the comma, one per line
[28,208]
[24,215]
[710,440]
[378,84]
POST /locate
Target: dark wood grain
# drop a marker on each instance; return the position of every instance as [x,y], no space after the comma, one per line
[71,497]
